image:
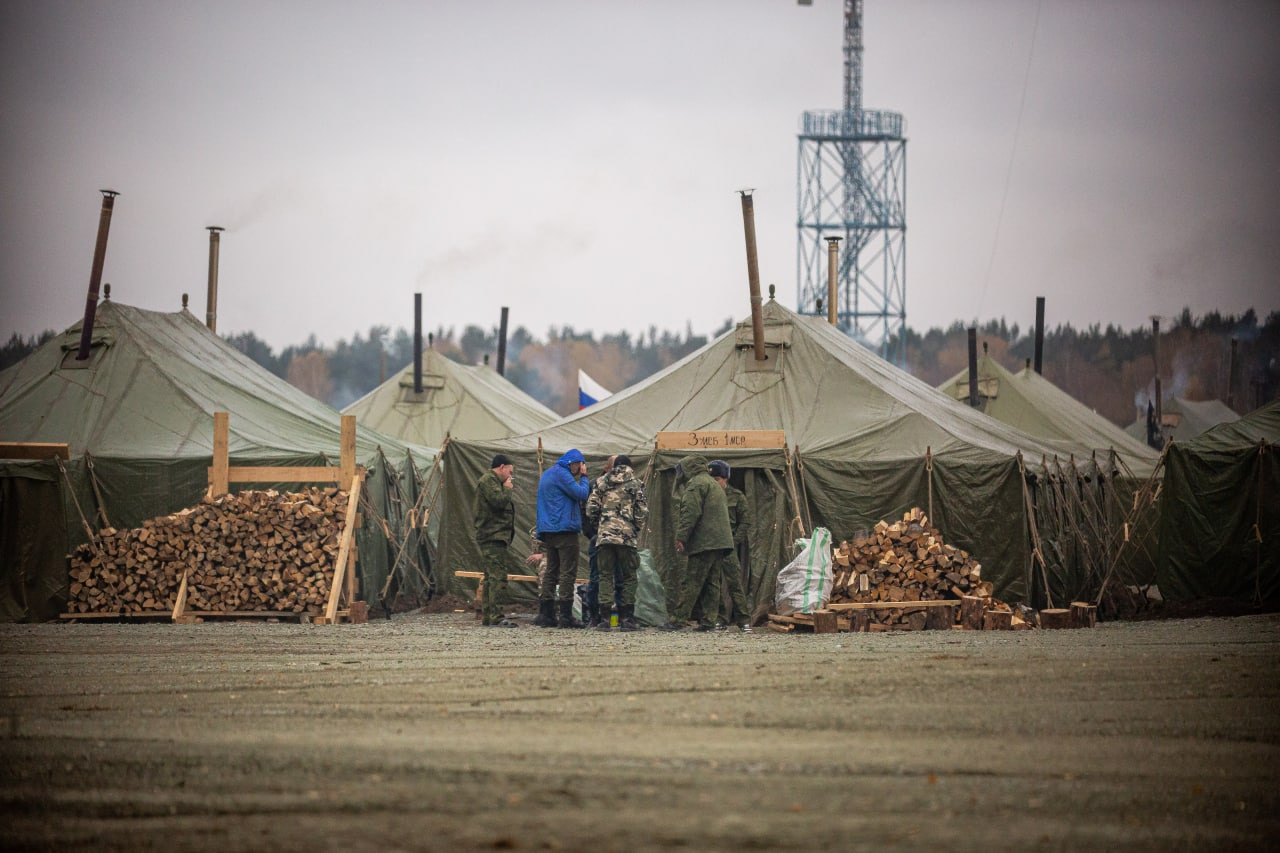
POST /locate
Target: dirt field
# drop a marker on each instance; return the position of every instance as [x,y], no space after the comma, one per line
[430,732]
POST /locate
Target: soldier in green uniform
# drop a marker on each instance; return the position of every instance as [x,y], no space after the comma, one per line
[619,505]
[495,518]
[739,524]
[702,533]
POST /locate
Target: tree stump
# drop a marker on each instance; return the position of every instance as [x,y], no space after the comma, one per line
[1083,614]
[940,618]
[997,620]
[824,622]
[1055,618]
[861,623]
[972,608]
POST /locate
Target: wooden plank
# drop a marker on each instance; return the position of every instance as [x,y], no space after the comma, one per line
[889,605]
[300,474]
[221,441]
[33,450]
[348,537]
[733,439]
[529,578]
[181,604]
[348,452]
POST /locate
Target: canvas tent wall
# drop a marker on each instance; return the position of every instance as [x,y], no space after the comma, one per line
[458,400]
[1220,512]
[1184,419]
[866,441]
[138,417]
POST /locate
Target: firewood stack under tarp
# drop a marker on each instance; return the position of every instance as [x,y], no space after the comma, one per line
[252,551]
[904,562]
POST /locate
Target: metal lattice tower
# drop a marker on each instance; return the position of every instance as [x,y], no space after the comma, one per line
[852,182]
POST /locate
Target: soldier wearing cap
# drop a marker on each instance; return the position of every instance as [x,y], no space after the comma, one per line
[738,524]
[495,524]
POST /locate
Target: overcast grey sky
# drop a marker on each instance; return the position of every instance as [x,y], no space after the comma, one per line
[578,160]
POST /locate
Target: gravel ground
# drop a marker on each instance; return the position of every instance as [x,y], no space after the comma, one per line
[427,731]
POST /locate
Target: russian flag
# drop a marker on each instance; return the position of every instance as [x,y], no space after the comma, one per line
[589,390]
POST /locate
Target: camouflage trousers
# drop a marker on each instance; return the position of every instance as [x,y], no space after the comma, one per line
[494,591]
[625,561]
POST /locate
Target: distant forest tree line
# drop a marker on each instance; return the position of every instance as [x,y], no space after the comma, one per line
[1108,369]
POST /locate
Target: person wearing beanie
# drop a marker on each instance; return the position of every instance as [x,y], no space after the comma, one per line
[732,572]
[495,526]
[619,506]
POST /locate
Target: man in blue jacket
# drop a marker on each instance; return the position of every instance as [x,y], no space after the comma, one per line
[561,491]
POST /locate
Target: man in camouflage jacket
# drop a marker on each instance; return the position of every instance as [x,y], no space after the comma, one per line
[619,505]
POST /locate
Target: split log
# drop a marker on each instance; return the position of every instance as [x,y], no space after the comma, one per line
[253,551]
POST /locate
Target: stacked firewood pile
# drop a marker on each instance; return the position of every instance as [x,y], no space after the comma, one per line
[907,561]
[904,561]
[252,551]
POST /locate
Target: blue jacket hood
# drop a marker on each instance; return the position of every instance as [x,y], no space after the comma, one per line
[574,455]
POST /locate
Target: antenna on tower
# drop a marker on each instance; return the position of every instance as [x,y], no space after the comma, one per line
[852,180]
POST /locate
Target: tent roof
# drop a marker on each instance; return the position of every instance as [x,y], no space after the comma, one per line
[150,388]
[1193,417]
[1035,405]
[828,393]
[462,401]
[1260,425]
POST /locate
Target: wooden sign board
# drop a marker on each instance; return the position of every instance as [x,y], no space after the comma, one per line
[33,450]
[732,439]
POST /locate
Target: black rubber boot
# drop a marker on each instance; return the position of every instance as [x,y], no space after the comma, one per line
[546,617]
[627,618]
[566,615]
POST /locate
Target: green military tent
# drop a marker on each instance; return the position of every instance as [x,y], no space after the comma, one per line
[1220,512]
[137,416]
[463,401]
[1184,419]
[865,441]
[1036,406]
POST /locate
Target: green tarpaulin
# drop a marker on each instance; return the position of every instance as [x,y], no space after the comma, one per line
[138,418]
[1220,512]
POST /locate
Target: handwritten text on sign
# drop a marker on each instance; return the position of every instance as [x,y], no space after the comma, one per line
[734,439]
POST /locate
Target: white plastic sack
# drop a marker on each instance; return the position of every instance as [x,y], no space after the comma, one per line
[804,584]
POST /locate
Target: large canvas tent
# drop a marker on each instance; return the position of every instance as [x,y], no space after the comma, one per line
[1033,404]
[1220,512]
[1184,419]
[458,400]
[138,418]
[865,441]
